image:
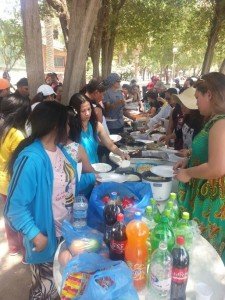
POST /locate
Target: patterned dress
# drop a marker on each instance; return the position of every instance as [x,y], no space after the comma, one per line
[205,199]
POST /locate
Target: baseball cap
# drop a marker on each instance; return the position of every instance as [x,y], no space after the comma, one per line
[22,82]
[46,90]
[187,98]
[4,84]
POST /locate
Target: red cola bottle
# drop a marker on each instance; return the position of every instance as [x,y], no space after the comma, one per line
[111,210]
[179,270]
[118,239]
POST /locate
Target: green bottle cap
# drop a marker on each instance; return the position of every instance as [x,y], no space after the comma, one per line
[153,201]
[167,213]
[173,196]
[149,209]
[170,204]
[186,215]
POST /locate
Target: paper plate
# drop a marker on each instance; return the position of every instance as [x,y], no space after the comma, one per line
[118,160]
[107,177]
[163,171]
[168,150]
[101,167]
[115,137]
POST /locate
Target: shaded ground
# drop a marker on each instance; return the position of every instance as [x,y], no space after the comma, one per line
[15,277]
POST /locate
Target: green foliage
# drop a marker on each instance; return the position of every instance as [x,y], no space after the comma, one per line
[11,41]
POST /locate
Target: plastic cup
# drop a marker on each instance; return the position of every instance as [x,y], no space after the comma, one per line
[203,291]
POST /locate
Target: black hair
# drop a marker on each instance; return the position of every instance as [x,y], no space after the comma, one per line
[75,102]
[39,97]
[126,86]
[46,117]
[92,86]
[15,111]
[191,81]
[172,91]
[194,120]
[151,94]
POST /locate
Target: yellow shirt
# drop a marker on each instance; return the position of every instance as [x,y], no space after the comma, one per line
[7,147]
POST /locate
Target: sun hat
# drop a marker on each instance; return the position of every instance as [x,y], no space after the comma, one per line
[46,90]
[4,84]
[187,98]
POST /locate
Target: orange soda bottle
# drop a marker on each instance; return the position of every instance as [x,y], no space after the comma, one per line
[136,250]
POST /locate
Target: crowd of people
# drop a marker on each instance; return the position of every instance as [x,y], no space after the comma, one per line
[43,141]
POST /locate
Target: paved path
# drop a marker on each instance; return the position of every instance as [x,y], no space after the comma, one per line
[15,277]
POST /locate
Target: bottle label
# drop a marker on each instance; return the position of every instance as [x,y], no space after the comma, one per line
[138,270]
[179,275]
[118,246]
[80,214]
[160,285]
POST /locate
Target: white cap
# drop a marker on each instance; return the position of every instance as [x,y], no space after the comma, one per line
[46,90]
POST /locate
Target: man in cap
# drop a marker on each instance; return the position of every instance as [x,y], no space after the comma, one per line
[4,88]
[22,88]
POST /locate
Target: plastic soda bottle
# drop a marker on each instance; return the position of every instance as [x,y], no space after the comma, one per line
[111,210]
[162,233]
[155,210]
[148,218]
[118,239]
[173,216]
[173,197]
[136,252]
[184,228]
[179,270]
[160,271]
[80,208]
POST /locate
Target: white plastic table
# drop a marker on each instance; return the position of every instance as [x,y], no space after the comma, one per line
[205,266]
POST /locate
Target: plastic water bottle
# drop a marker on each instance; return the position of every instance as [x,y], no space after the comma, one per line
[148,218]
[80,207]
[160,272]
[184,228]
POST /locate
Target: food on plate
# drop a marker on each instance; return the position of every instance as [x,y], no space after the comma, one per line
[152,146]
[143,168]
[84,245]
[64,257]
[135,153]
[74,285]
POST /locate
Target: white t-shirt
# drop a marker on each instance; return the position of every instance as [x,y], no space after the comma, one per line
[63,188]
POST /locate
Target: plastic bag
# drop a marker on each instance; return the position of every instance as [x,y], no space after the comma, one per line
[139,190]
[91,276]
[84,239]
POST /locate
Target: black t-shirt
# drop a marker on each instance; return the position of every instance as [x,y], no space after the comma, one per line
[178,121]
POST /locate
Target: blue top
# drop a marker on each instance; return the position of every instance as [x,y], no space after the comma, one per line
[89,141]
[111,96]
[29,203]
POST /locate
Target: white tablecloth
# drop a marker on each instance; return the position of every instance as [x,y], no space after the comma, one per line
[205,265]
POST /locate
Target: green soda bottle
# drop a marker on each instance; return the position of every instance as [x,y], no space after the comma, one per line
[155,211]
[148,218]
[162,233]
[184,228]
[173,197]
[172,216]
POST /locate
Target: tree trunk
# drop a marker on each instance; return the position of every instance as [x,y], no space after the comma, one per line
[32,44]
[50,66]
[83,18]
[111,19]
[222,67]
[217,21]
[95,44]
[61,8]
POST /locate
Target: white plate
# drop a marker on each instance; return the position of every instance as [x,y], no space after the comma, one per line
[156,136]
[115,137]
[101,167]
[107,177]
[163,171]
[168,150]
[118,160]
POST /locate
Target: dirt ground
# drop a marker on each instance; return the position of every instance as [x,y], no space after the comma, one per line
[15,277]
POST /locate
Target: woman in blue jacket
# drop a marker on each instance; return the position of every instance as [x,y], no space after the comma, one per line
[41,193]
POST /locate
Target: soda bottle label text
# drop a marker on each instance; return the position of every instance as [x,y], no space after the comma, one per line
[179,275]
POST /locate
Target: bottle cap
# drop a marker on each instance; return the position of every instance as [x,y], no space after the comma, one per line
[180,240]
[185,215]
[173,196]
[149,209]
[113,195]
[153,201]
[170,204]
[162,246]
[120,217]
[137,215]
